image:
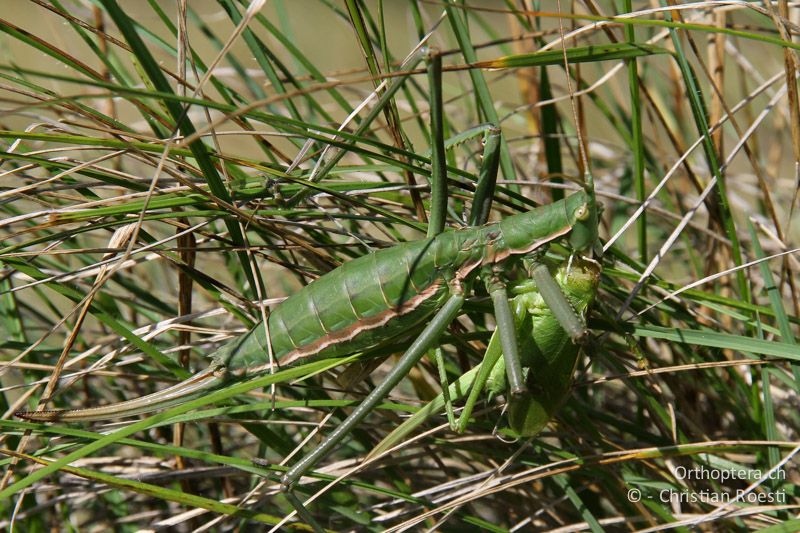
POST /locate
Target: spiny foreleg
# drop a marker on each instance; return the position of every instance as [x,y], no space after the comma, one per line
[492,276]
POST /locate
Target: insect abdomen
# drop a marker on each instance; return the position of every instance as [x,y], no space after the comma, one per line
[354,307]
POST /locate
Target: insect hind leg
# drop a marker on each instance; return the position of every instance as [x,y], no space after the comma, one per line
[426,340]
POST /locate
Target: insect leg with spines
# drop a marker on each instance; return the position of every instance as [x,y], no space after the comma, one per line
[479,214]
[456,282]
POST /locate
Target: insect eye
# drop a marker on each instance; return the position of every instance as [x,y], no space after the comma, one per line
[582,213]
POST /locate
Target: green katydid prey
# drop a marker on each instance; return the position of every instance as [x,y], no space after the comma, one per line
[547,352]
[548,356]
[385,294]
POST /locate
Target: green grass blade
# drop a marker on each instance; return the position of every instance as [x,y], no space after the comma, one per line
[459,25]
[438,210]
